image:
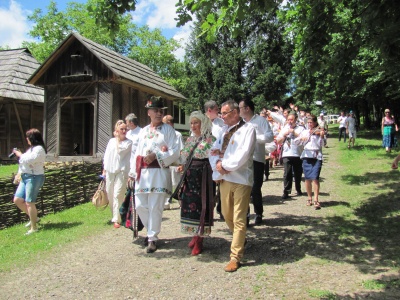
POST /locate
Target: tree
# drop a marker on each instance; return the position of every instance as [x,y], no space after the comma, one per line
[154,50]
[107,12]
[338,60]
[51,28]
[255,64]
[228,17]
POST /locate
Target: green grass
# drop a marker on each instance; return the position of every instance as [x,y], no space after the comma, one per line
[321,294]
[8,170]
[55,231]
[373,284]
[365,218]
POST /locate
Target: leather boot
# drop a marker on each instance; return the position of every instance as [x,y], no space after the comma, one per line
[193,241]
[198,246]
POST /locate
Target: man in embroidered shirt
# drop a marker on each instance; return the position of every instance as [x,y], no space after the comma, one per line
[157,149]
[263,135]
[232,164]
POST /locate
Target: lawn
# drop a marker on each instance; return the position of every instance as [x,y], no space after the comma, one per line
[8,170]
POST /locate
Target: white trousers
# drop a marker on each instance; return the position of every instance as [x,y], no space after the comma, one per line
[176,177]
[150,208]
[116,188]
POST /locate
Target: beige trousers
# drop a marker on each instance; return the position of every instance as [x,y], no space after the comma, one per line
[235,200]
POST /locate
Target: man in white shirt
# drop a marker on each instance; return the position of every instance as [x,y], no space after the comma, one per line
[133,133]
[211,110]
[342,126]
[175,175]
[292,163]
[232,162]
[351,129]
[263,135]
[323,124]
[157,149]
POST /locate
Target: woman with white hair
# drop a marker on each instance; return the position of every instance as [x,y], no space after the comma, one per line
[195,190]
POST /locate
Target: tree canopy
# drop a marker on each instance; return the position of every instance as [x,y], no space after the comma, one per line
[346,53]
[343,53]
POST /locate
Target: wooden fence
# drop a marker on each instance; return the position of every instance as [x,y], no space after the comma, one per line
[66,185]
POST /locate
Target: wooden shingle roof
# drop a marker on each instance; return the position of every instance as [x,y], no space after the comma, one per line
[126,70]
[16,66]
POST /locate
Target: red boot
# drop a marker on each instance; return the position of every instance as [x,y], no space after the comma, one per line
[193,242]
[198,246]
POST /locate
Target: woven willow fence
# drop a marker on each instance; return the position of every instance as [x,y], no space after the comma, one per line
[66,185]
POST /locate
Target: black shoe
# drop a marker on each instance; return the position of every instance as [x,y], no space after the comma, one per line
[146,241]
[221,217]
[151,247]
[299,193]
[248,221]
[285,196]
[258,220]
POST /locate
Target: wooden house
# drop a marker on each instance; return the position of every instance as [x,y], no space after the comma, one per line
[21,104]
[88,87]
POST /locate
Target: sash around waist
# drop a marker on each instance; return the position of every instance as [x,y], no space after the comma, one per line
[140,164]
[199,162]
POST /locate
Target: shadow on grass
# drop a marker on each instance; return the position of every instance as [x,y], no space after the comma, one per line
[373,148]
[388,178]
[60,225]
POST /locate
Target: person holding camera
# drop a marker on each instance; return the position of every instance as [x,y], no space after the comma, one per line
[31,167]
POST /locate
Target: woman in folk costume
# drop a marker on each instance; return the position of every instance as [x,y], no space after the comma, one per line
[116,169]
[157,149]
[195,190]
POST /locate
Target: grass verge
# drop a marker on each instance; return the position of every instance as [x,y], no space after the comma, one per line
[55,231]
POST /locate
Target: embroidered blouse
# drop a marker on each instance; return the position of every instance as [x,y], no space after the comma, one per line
[202,150]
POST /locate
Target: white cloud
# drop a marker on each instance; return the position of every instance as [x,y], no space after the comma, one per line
[182,36]
[162,14]
[13,25]
[155,13]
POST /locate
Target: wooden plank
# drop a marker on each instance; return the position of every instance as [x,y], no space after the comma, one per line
[21,130]
[58,122]
[45,106]
[95,102]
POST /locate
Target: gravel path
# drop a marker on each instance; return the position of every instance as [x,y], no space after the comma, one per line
[289,256]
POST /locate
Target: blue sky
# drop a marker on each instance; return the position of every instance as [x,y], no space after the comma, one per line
[14,25]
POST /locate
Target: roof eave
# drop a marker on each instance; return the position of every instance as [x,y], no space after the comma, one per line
[172,96]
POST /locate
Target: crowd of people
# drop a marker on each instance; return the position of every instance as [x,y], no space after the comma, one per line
[222,164]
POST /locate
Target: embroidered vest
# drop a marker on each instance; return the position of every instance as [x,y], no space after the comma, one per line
[229,134]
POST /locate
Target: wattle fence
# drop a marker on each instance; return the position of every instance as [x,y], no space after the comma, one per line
[67,184]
